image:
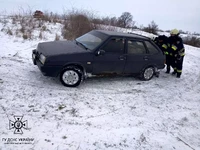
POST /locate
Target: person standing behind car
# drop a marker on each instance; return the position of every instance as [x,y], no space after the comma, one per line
[178,50]
[162,42]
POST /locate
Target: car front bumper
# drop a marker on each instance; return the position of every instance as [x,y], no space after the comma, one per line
[47,70]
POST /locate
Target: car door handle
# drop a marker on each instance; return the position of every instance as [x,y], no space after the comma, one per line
[122,57]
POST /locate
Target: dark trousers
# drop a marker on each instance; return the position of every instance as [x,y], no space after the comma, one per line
[179,66]
[170,62]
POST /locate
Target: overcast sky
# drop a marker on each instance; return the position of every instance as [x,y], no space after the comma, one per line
[168,14]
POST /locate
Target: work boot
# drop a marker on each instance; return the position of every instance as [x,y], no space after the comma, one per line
[168,70]
[174,73]
[178,75]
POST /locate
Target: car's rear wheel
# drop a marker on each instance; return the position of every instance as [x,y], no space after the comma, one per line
[147,73]
[71,77]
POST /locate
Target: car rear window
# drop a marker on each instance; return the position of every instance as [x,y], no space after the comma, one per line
[136,47]
[152,49]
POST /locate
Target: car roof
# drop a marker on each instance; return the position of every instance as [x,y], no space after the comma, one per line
[115,33]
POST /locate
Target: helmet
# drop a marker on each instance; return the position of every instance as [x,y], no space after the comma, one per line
[174,32]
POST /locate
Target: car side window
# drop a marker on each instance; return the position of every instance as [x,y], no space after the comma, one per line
[152,49]
[136,47]
[114,45]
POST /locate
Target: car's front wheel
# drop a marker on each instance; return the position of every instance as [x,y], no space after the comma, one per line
[71,77]
[147,73]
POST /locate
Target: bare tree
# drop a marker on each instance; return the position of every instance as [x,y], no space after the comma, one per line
[113,21]
[152,28]
[106,20]
[125,20]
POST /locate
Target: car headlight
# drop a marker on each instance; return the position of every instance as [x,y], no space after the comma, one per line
[42,58]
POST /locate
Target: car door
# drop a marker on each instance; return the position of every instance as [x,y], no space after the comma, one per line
[137,57]
[110,57]
[155,56]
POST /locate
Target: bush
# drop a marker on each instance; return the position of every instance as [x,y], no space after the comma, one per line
[197,34]
[44,28]
[25,36]
[76,25]
[192,40]
[51,17]
[22,30]
[14,20]
[9,32]
[40,35]
[46,17]
[17,33]
[57,38]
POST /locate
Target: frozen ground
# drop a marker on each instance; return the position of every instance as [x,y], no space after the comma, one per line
[102,113]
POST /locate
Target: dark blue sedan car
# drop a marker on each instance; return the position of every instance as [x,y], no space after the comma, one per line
[99,52]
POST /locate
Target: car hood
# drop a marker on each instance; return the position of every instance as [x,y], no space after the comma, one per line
[59,48]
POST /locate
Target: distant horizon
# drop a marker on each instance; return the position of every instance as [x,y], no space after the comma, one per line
[179,14]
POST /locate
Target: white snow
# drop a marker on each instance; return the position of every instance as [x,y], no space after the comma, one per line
[102,113]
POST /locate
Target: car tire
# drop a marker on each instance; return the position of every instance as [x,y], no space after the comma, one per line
[147,73]
[71,77]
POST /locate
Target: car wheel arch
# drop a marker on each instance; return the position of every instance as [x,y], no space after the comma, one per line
[149,65]
[75,65]
[143,70]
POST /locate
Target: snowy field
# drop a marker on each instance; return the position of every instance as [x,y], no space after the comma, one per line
[121,113]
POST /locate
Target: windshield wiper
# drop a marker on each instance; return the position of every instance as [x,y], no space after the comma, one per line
[81,44]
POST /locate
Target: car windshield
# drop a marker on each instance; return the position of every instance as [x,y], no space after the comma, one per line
[90,40]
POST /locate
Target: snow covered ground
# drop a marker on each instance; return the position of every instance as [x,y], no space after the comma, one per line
[102,113]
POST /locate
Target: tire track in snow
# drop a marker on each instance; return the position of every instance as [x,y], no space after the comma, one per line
[37,85]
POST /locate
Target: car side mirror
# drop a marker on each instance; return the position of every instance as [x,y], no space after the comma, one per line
[100,52]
